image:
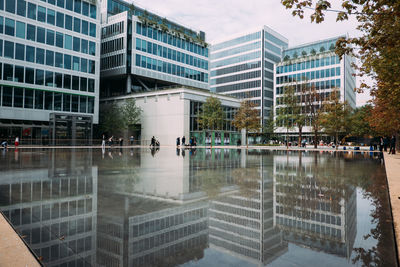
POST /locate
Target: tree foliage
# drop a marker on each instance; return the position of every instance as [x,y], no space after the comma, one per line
[285,114]
[359,122]
[270,125]
[377,49]
[247,117]
[211,115]
[131,114]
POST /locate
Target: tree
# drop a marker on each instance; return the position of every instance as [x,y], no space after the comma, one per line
[211,115]
[131,114]
[313,101]
[335,119]
[377,50]
[270,125]
[298,115]
[359,122]
[284,114]
[247,117]
[110,120]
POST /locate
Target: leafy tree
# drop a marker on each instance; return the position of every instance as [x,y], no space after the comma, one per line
[335,119]
[359,123]
[285,113]
[247,117]
[131,114]
[313,101]
[111,120]
[270,125]
[211,116]
[298,116]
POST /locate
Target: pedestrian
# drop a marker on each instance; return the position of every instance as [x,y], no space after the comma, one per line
[178,141]
[385,143]
[16,142]
[110,141]
[4,144]
[183,140]
[153,141]
[392,149]
[191,141]
[103,141]
[381,144]
[121,141]
[131,139]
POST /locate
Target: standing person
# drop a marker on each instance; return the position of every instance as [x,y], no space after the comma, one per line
[16,142]
[153,141]
[381,144]
[385,143]
[110,141]
[392,149]
[183,140]
[121,141]
[178,141]
[131,139]
[103,141]
[191,141]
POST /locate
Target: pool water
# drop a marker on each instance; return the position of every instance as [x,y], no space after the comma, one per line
[199,207]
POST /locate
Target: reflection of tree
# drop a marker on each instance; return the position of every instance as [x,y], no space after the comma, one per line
[211,182]
[248,180]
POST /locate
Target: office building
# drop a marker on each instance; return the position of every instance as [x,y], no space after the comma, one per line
[49,70]
[242,66]
[313,66]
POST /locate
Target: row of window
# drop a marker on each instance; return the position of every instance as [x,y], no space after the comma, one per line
[236,77]
[238,86]
[171,40]
[113,29]
[274,40]
[166,67]
[165,52]
[46,57]
[236,50]
[236,68]
[237,59]
[272,57]
[329,84]
[58,19]
[236,41]
[309,64]
[273,48]
[112,45]
[112,62]
[36,99]
[317,228]
[310,75]
[247,94]
[47,78]
[47,36]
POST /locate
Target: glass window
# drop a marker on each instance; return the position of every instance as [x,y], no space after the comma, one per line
[75,83]
[1,24]
[39,55]
[85,27]
[68,5]
[58,80]
[68,41]
[51,16]
[68,22]
[20,29]
[29,75]
[60,19]
[48,100]
[39,77]
[40,35]
[75,63]
[41,16]
[337,71]
[10,6]
[91,85]
[49,78]
[77,44]
[19,51]
[28,98]
[30,53]
[53,2]
[82,104]
[67,81]
[31,11]
[8,49]
[77,6]
[31,32]
[84,64]
[85,8]
[50,37]
[49,58]
[60,3]
[75,103]
[21,8]
[67,62]
[18,97]
[1,4]
[10,27]
[66,102]
[57,101]
[7,96]
[83,84]
[59,60]
[59,39]
[92,48]
[77,25]
[92,65]
[19,74]
[92,29]
[38,99]
[84,46]
[93,11]
[90,105]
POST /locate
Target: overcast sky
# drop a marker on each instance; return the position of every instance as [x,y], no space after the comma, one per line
[221,18]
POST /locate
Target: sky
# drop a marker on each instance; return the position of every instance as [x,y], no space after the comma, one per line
[222,18]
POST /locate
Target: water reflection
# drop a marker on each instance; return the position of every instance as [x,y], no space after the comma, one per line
[167,207]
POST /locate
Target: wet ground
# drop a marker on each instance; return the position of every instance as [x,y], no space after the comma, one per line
[220,207]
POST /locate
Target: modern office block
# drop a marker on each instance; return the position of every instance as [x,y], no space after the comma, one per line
[142,51]
[314,66]
[49,64]
[243,66]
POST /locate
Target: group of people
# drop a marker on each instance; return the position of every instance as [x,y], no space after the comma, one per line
[192,141]
[4,143]
[384,142]
[154,142]
[110,141]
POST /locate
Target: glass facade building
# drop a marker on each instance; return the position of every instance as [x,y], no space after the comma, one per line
[49,63]
[142,51]
[243,66]
[314,65]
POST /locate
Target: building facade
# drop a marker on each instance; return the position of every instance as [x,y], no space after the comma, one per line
[313,66]
[242,66]
[142,51]
[50,64]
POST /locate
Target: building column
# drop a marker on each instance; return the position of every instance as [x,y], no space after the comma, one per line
[128,84]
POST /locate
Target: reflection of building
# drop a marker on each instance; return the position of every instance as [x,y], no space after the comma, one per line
[313,205]
[243,222]
[51,200]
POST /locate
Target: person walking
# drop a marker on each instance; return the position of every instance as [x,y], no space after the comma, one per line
[121,141]
[131,139]
[178,142]
[110,141]
[183,140]
[103,141]
[16,142]
[392,149]
[381,144]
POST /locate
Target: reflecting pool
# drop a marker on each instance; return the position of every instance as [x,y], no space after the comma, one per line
[202,207]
